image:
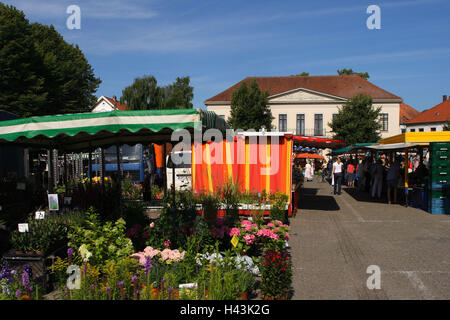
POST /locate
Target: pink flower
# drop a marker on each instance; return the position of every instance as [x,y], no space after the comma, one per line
[235,231]
[287,236]
[152,225]
[270,224]
[140,256]
[150,252]
[249,239]
[246,222]
[167,243]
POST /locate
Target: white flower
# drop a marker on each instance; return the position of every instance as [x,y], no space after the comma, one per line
[84,252]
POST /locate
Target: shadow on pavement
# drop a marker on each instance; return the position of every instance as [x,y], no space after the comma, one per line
[309,200]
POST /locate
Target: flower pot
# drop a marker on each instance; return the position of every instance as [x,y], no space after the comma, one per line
[243,295]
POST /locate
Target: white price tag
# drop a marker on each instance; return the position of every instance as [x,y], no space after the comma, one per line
[188,286]
[67,200]
[23,227]
[39,215]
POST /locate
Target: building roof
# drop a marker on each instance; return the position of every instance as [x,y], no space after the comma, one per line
[116,103]
[439,113]
[344,86]
[113,102]
[407,113]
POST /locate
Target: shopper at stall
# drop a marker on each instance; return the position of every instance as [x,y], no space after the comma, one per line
[338,168]
[392,179]
[377,179]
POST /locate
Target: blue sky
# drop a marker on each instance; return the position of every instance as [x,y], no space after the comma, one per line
[218,43]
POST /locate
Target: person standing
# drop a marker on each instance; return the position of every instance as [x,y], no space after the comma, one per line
[392,179]
[350,174]
[308,171]
[337,174]
[378,173]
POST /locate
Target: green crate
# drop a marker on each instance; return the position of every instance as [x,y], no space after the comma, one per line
[439,193]
[440,163]
[442,146]
[440,155]
[442,171]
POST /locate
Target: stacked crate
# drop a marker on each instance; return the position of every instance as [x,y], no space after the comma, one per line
[439,189]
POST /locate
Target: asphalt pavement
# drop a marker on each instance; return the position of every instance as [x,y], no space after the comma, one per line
[350,247]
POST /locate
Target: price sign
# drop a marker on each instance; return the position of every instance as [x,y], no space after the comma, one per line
[234,241]
[53,203]
[39,215]
[23,227]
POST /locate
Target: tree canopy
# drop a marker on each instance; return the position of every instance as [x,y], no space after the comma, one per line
[301,74]
[41,73]
[249,108]
[357,121]
[364,75]
[145,94]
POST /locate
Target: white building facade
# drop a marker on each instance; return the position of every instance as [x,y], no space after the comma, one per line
[306,111]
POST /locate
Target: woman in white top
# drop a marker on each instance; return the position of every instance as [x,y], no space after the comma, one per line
[337,174]
[308,175]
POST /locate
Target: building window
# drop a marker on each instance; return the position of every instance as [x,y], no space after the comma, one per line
[412,130]
[300,124]
[282,122]
[433,129]
[221,116]
[420,129]
[403,130]
[334,116]
[384,117]
[318,124]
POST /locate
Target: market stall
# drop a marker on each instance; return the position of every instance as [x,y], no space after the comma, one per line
[436,186]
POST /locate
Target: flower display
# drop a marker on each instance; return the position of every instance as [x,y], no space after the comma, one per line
[167,256]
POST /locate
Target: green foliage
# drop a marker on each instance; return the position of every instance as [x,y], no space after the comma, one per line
[178,95]
[301,74]
[97,242]
[41,73]
[249,108]
[363,75]
[130,190]
[46,234]
[357,121]
[145,94]
[278,210]
[176,221]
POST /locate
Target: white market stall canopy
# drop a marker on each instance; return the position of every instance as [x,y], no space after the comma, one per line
[396,146]
[82,131]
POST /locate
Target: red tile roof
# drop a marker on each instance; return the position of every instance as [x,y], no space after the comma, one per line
[439,113]
[344,86]
[407,113]
[117,104]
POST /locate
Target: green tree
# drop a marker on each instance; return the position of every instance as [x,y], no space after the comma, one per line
[21,86]
[41,73]
[446,126]
[178,95]
[249,108]
[301,74]
[143,94]
[357,121]
[69,80]
[364,75]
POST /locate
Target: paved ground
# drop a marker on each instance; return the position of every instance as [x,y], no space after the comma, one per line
[335,239]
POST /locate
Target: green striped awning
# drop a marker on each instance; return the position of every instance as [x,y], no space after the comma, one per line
[101,129]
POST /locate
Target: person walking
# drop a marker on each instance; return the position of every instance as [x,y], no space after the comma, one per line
[392,179]
[378,173]
[337,174]
[361,175]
